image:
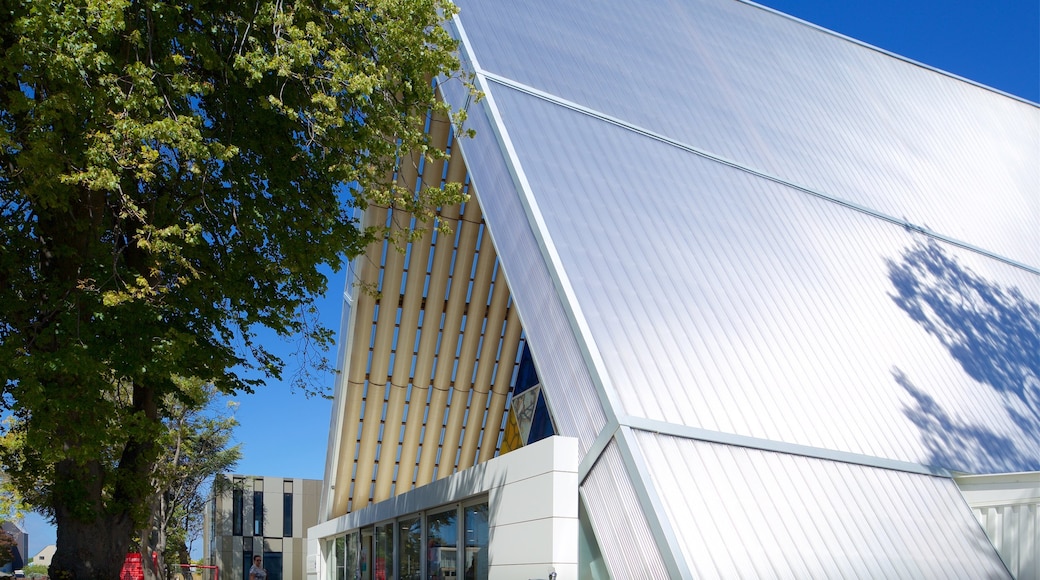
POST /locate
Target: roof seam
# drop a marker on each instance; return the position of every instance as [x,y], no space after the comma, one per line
[733,439]
[902,222]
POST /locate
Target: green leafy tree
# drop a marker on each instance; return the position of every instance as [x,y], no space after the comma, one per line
[8,545]
[196,447]
[173,177]
[35,571]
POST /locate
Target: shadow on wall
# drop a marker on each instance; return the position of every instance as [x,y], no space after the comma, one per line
[994,334]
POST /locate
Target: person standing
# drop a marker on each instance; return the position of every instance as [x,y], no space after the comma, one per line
[257,572]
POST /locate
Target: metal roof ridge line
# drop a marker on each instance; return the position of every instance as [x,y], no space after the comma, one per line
[750,442]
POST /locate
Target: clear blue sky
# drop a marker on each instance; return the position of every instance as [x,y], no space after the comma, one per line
[993,42]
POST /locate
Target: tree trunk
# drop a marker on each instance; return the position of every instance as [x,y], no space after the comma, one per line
[95,525]
[185,558]
[153,568]
[150,542]
[87,548]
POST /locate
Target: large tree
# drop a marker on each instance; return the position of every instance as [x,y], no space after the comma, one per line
[173,176]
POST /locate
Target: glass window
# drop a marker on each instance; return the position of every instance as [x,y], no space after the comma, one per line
[330,559]
[365,555]
[353,560]
[273,565]
[441,549]
[258,513]
[383,552]
[287,508]
[411,549]
[287,515]
[247,562]
[590,559]
[433,547]
[476,534]
[237,504]
[337,568]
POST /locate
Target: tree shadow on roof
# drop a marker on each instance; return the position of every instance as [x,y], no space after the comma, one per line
[993,333]
[959,445]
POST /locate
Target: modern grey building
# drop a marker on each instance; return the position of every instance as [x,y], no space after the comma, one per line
[20,550]
[764,290]
[249,516]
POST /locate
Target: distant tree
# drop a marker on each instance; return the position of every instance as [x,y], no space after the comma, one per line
[173,176]
[196,448]
[35,571]
[8,546]
[32,570]
[12,504]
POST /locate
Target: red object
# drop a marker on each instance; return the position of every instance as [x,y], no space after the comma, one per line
[132,566]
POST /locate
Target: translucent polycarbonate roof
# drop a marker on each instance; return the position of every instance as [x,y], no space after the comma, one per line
[777,282]
[787,99]
[757,225]
[743,513]
[722,300]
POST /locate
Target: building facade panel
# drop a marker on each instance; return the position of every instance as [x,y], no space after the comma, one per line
[732,295]
[625,537]
[788,99]
[246,516]
[742,512]
[549,322]
[774,283]
[1007,507]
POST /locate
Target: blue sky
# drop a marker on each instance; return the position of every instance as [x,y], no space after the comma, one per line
[993,42]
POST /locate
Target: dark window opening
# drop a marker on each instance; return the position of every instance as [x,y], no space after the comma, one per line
[237,504]
[287,523]
[258,513]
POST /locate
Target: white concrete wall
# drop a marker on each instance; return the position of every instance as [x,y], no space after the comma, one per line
[1008,508]
[533,505]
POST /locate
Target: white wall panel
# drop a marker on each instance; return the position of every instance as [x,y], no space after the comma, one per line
[522,546]
[548,320]
[1007,506]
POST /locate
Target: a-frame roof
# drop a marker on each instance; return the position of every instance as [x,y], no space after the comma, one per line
[776,212]
[777,283]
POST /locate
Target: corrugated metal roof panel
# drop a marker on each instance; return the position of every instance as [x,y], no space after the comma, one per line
[724,300]
[745,513]
[624,535]
[547,320]
[730,223]
[788,99]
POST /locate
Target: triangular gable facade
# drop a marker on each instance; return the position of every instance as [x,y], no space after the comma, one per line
[777,284]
